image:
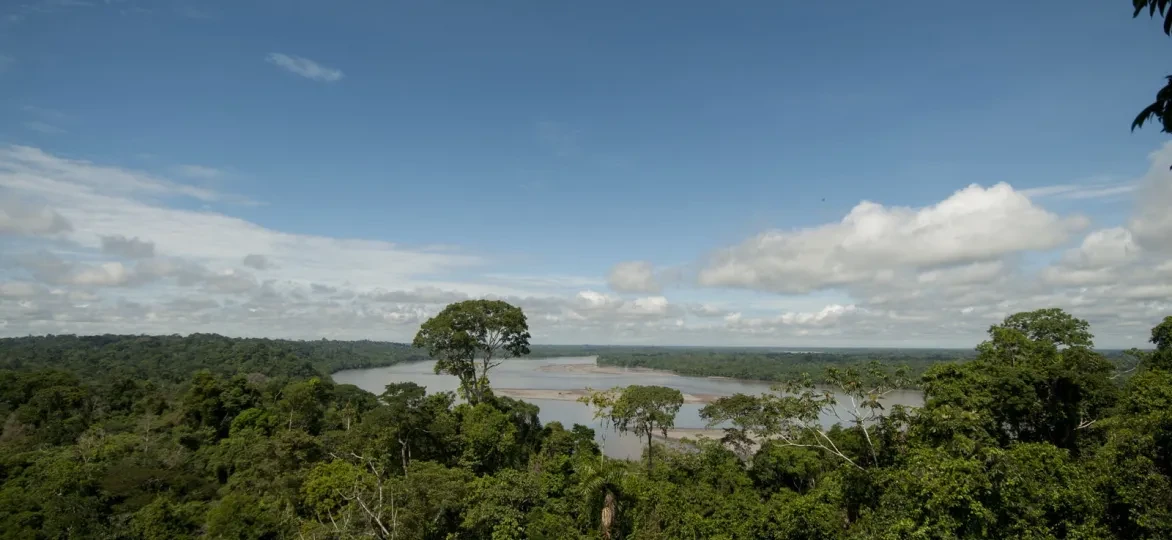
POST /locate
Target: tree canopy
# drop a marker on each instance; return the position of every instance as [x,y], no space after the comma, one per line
[469,338]
[1035,437]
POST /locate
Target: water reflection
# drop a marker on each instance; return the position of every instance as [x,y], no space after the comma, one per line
[528,373]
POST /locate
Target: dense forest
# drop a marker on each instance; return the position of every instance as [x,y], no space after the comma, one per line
[778,365]
[175,358]
[1037,436]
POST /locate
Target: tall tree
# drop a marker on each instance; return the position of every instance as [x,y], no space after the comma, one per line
[644,409]
[1023,386]
[469,338]
[1052,325]
[791,415]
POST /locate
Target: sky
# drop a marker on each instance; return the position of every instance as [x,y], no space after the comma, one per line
[898,174]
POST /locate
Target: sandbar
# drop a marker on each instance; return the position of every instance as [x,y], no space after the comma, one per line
[584,368]
[574,394]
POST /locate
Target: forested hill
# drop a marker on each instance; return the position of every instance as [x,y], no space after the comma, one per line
[174,358]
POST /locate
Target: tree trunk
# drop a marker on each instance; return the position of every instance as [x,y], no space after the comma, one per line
[403,454]
[650,434]
[608,514]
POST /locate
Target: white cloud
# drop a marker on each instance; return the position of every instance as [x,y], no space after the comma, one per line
[1152,223]
[130,248]
[25,217]
[421,295]
[1103,248]
[6,62]
[873,242]
[651,305]
[826,317]
[103,250]
[102,275]
[31,169]
[633,277]
[107,201]
[1081,191]
[304,67]
[975,273]
[707,310]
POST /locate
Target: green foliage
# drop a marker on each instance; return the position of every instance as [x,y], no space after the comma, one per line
[1161,108]
[1028,389]
[244,516]
[469,338]
[642,410]
[1036,437]
[765,365]
[1051,325]
[172,359]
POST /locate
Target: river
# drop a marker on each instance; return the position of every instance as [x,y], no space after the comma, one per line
[537,379]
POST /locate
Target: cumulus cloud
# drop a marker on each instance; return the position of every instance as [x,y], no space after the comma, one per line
[1098,260]
[130,248]
[874,241]
[633,277]
[124,257]
[304,67]
[1152,223]
[101,275]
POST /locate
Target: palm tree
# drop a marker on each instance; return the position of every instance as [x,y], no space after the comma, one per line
[599,484]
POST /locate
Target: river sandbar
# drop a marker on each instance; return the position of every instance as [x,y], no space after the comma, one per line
[575,394]
[583,368]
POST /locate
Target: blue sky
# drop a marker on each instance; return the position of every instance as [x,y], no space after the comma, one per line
[552,141]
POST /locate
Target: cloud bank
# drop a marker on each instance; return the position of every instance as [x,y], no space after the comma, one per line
[94,248]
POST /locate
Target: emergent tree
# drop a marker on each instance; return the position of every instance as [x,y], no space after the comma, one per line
[644,409]
[469,338]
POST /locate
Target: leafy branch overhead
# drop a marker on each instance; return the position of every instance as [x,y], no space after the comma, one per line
[1161,108]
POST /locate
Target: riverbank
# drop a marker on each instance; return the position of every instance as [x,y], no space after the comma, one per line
[575,394]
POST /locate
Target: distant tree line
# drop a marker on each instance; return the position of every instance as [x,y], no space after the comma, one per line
[777,365]
[174,358]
